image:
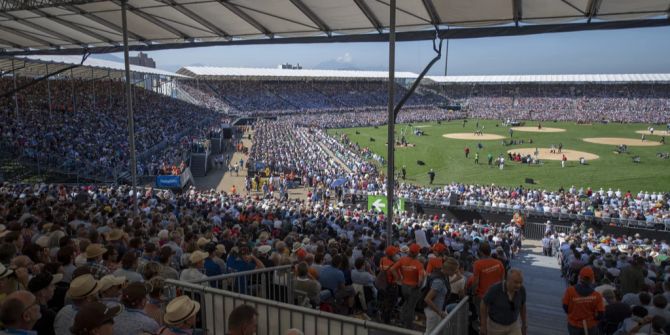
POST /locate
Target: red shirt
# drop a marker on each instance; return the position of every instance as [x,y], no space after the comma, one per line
[488,271]
[411,271]
[583,308]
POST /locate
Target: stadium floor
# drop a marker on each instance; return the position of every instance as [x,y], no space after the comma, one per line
[544,290]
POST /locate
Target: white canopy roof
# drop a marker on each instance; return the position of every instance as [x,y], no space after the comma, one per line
[555,78]
[27,26]
[208,72]
[30,66]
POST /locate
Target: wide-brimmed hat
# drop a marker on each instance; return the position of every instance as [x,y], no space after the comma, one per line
[202,242]
[43,241]
[43,280]
[135,291]
[94,250]
[115,235]
[110,281]
[180,309]
[197,256]
[83,286]
[93,315]
[264,249]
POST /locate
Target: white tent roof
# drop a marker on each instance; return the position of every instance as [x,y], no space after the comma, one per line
[30,66]
[555,78]
[208,72]
[27,26]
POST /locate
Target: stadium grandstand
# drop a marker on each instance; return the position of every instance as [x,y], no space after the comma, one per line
[221,201]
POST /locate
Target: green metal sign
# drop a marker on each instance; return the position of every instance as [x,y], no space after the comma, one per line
[380,203]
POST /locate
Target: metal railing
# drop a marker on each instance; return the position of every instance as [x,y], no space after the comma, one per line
[274,317]
[619,222]
[535,231]
[275,283]
[456,322]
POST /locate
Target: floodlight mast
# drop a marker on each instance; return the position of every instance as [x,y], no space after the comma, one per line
[390,161]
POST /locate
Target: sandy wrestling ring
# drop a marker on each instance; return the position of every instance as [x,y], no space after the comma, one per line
[571,155]
[632,142]
[656,132]
[536,130]
[472,136]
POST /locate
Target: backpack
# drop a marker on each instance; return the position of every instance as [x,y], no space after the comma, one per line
[381,281]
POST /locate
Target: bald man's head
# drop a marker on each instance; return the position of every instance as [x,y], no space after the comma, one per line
[514,280]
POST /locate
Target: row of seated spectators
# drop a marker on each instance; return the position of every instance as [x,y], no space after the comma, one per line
[86,125]
[647,103]
[654,208]
[202,95]
[374,117]
[278,97]
[284,147]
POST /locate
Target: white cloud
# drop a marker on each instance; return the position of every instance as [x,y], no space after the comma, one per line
[346,58]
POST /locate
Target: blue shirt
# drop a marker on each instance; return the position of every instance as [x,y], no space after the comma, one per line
[211,268]
[134,321]
[331,278]
[237,264]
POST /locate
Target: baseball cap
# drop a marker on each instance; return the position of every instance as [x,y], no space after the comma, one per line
[391,251]
[586,273]
[414,249]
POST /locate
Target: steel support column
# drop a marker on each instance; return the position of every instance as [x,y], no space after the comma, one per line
[16,97]
[48,89]
[390,161]
[129,104]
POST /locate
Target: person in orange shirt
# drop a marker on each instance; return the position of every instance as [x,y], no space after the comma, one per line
[487,271]
[408,272]
[233,190]
[439,250]
[390,295]
[584,305]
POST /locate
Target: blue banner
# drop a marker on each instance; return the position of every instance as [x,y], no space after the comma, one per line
[168,181]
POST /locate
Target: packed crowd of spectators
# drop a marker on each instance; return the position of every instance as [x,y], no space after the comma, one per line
[65,249]
[256,97]
[618,284]
[88,132]
[646,103]
[375,117]
[203,96]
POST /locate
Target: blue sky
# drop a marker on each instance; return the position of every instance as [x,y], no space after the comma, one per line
[644,50]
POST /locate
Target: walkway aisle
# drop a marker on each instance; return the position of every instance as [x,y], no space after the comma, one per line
[544,290]
[222,179]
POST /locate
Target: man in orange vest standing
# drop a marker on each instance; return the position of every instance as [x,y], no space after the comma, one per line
[408,272]
[584,305]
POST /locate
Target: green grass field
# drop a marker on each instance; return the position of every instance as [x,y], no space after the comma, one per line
[446,156]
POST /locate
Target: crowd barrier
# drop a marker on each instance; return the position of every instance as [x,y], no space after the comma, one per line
[456,322]
[535,231]
[274,317]
[274,283]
